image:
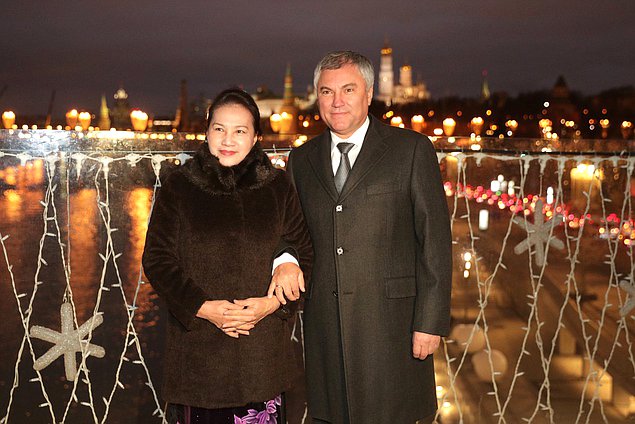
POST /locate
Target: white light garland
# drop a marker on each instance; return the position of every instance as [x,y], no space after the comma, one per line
[600,343]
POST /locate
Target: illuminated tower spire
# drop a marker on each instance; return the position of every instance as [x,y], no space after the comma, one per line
[104,114]
[288,110]
[485,93]
[386,74]
[405,75]
[181,119]
[288,97]
[50,109]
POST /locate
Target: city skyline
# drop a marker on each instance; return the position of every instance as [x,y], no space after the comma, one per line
[84,50]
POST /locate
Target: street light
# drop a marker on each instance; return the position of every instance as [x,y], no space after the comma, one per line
[545,126]
[139,120]
[512,126]
[416,122]
[477,125]
[396,121]
[626,128]
[84,120]
[8,119]
[274,120]
[605,124]
[286,121]
[71,118]
[448,126]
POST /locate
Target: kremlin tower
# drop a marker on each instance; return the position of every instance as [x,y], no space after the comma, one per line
[386,75]
[181,118]
[288,110]
[104,114]
[404,92]
[121,110]
[485,93]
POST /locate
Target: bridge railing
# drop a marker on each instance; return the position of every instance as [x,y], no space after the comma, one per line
[542,291]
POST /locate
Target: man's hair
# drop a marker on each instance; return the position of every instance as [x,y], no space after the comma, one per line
[335,60]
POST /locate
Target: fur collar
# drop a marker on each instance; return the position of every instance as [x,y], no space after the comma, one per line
[206,172]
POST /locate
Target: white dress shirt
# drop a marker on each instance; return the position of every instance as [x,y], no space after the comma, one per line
[357,138]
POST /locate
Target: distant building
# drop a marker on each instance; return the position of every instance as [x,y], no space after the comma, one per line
[162,124]
[269,103]
[404,92]
[121,110]
[198,113]
[561,106]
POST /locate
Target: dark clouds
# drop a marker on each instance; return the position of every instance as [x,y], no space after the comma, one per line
[84,49]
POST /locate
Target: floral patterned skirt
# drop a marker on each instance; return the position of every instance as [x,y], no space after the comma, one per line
[252,413]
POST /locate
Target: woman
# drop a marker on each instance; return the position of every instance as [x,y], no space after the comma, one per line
[214,231]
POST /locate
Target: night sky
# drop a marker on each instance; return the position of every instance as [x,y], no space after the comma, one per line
[83,49]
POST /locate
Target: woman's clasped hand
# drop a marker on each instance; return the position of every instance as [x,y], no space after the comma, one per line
[240,316]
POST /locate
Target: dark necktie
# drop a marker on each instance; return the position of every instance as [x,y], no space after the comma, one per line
[344,167]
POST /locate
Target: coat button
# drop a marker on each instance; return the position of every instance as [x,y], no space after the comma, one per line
[338,208]
[335,293]
[340,251]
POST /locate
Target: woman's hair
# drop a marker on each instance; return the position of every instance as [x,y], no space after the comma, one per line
[235,96]
[335,60]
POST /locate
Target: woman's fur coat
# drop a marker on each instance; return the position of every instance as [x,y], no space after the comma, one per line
[213,234]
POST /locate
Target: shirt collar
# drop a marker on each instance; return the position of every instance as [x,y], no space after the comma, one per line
[356,138]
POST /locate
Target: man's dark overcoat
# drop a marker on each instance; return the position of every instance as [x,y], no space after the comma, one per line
[382,269]
[213,234]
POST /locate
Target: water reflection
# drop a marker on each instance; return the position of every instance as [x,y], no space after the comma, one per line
[12,205]
[23,190]
[84,253]
[22,176]
[138,203]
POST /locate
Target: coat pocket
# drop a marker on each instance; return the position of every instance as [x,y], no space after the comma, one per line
[382,188]
[401,287]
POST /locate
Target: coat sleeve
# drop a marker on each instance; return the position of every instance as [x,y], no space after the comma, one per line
[434,242]
[161,261]
[296,233]
[295,236]
[284,246]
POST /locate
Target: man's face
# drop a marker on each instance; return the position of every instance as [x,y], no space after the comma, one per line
[343,99]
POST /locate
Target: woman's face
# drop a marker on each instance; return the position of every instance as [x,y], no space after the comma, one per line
[231,134]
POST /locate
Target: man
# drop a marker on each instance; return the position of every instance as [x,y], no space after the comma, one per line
[379,297]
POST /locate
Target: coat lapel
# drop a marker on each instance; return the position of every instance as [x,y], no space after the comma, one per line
[373,149]
[320,160]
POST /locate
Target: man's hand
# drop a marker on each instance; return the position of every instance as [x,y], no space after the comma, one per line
[251,311]
[424,344]
[214,312]
[287,280]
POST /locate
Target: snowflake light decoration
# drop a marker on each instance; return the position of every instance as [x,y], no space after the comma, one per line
[68,342]
[630,303]
[538,234]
